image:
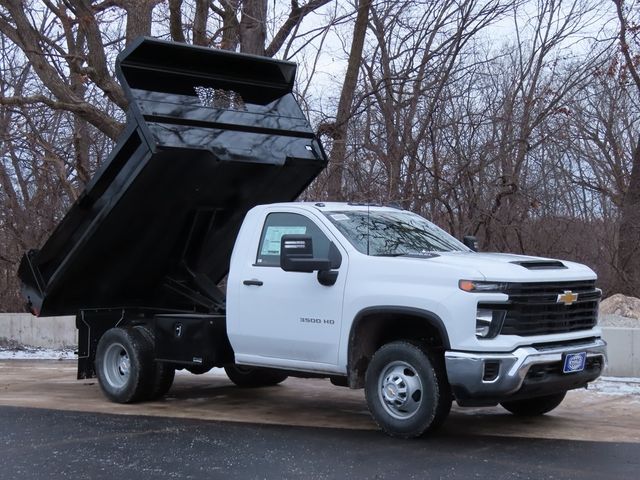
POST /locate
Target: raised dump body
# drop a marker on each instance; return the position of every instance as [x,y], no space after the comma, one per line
[210,134]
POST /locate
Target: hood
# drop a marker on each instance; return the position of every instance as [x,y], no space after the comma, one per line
[504,267]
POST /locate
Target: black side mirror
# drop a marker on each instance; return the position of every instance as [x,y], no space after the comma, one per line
[296,255]
[471,242]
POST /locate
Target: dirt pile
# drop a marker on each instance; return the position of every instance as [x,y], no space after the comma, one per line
[620,311]
[622,305]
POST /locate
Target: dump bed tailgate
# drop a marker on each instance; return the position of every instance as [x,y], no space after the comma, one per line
[210,134]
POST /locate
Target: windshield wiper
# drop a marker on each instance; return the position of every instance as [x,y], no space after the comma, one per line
[407,254]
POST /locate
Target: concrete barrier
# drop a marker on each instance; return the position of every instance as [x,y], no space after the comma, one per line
[60,332]
[46,332]
[623,351]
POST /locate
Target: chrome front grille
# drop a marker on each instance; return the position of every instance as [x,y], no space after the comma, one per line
[533,308]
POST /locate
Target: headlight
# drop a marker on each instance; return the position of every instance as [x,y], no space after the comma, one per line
[489,322]
[476,286]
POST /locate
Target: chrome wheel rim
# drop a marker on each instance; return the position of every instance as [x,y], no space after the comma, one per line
[400,390]
[116,365]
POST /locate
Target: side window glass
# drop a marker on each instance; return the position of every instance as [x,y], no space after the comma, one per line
[278,224]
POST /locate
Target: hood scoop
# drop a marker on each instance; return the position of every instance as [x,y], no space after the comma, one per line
[540,264]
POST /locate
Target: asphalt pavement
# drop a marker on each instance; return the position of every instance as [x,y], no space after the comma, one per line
[49,444]
[53,426]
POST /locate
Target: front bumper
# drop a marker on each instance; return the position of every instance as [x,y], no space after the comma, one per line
[489,378]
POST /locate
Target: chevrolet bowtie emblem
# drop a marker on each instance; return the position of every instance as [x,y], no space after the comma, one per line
[568,297]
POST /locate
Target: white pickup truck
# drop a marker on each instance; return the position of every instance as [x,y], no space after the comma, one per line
[365,295]
[410,313]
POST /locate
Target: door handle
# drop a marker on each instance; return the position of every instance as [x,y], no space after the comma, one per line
[257,283]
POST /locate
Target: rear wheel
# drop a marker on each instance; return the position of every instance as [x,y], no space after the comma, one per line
[532,407]
[254,376]
[163,379]
[406,390]
[124,365]
[162,373]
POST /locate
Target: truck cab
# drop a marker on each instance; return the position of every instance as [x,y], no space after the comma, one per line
[499,327]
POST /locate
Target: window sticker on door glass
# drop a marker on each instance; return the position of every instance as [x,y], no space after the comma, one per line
[339,217]
[271,243]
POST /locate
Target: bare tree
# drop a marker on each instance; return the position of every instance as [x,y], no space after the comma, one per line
[629,233]
[539,85]
[416,52]
[530,140]
[338,129]
[61,107]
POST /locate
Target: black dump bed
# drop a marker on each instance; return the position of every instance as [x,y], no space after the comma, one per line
[210,134]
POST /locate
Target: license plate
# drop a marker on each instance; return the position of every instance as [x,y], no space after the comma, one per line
[574,362]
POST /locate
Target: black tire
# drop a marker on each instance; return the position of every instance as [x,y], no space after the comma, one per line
[124,365]
[250,377]
[532,407]
[407,390]
[163,379]
[446,397]
[162,373]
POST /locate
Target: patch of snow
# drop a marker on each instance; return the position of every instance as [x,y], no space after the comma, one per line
[616,386]
[29,353]
[621,379]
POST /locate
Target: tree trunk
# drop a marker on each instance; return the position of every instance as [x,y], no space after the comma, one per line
[230,26]
[339,149]
[175,21]
[139,18]
[200,23]
[253,31]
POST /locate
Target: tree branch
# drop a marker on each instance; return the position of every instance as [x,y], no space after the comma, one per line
[296,15]
[110,127]
[624,46]
[28,39]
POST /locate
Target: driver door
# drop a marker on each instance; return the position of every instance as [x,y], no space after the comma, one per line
[288,318]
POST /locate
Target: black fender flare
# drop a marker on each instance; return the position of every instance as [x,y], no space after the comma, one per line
[430,318]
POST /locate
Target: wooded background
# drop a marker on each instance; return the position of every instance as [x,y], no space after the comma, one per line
[516,121]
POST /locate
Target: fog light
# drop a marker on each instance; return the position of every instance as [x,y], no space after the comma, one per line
[484,317]
[489,322]
[491,370]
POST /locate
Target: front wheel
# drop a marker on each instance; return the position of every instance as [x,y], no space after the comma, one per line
[406,390]
[532,407]
[253,376]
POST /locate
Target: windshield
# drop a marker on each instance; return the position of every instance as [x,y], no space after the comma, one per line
[392,233]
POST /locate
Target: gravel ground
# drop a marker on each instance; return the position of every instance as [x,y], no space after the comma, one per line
[604,385]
